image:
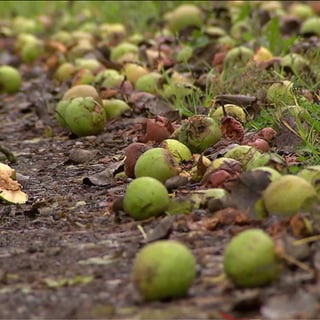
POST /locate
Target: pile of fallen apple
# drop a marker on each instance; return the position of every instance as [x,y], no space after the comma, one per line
[171,156]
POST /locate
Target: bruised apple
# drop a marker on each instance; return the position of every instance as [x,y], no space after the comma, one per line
[179,151]
[85,116]
[245,155]
[198,133]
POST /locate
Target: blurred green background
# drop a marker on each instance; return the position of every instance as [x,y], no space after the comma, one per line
[135,14]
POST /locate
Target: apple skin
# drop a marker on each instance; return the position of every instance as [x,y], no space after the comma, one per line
[245,154]
[185,15]
[82,90]
[149,82]
[250,259]
[157,163]
[288,195]
[119,52]
[145,197]
[85,116]
[179,151]
[109,78]
[114,108]
[198,133]
[134,72]
[10,79]
[280,94]
[64,72]
[312,175]
[232,110]
[163,269]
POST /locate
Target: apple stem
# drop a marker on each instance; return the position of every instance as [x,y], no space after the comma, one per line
[224,111]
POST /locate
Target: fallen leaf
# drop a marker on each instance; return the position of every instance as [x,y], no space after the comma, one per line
[162,230]
[103,260]
[78,155]
[55,283]
[157,130]
[227,216]
[296,304]
[288,138]
[247,189]
[154,104]
[103,178]
[230,216]
[299,225]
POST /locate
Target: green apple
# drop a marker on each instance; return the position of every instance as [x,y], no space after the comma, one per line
[109,78]
[281,94]
[85,116]
[134,71]
[10,79]
[145,197]
[178,150]
[63,37]
[158,163]
[122,49]
[237,57]
[231,110]
[295,62]
[31,51]
[301,10]
[163,269]
[82,90]
[250,259]
[149,82]
[64,72]
[114,107]
[183,16]
[198,133]
[90,64]
[244,154]
[311,26]
[288,195]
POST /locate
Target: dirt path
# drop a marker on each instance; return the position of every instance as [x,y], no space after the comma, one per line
[64,254]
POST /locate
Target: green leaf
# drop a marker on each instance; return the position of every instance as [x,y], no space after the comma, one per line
[62,281]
